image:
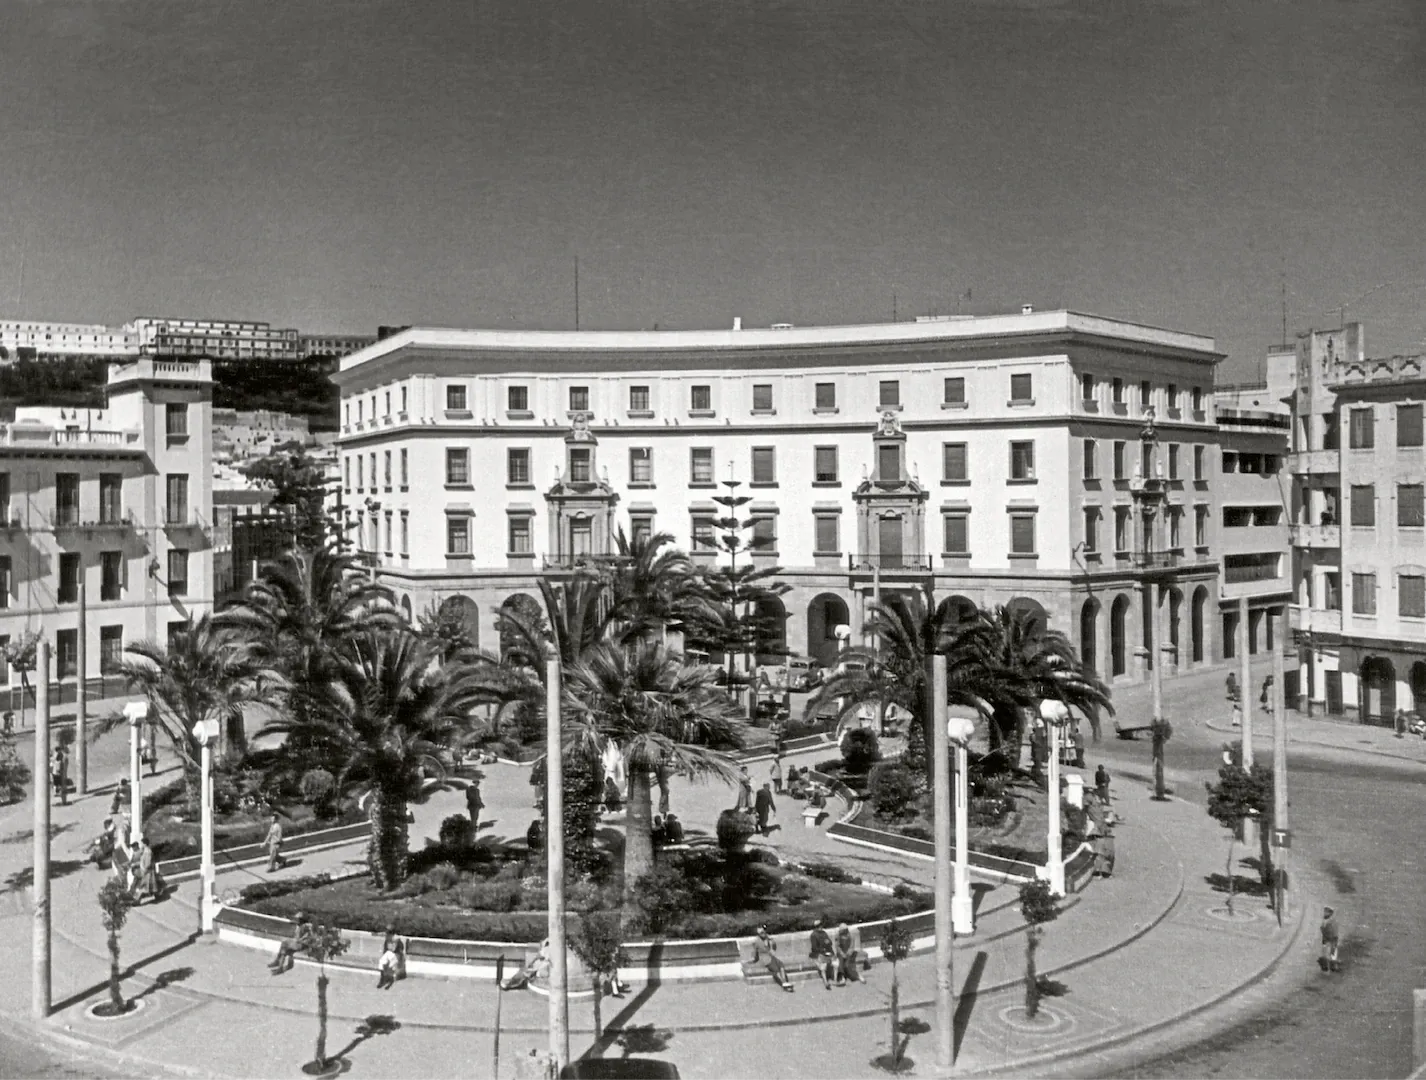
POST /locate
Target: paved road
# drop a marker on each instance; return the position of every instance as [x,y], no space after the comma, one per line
[20,1058]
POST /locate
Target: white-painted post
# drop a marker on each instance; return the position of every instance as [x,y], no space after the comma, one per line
[1282,834]
[1055,715]
[1250,830]
[40,947]
[136,712]
[207,732]
[945,929]
[81,697]
[554,840]
[962,902]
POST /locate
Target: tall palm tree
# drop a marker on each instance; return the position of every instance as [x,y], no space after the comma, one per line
[1035,663]
[652,585]
[660,711]
[385,714]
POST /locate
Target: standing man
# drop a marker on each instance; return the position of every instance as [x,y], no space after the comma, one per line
[745,789]
[273,843]
[59,769]
[473,804]
[1331,939]
[763,806]
[1265,699]
[1101,784]
[1233,696]
[776,773]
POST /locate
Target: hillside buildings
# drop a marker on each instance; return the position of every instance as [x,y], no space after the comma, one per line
[35,337]
[215,339]
[1063,463]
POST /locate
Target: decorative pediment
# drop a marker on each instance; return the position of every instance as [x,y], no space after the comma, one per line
[579,431]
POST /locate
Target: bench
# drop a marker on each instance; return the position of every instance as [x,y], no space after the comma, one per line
[811,815]
[792,950]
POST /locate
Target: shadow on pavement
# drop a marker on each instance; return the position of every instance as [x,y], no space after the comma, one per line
[25,877]
[374,1025]
[163,981]
[614,1030]
[133,969]
[965,1001]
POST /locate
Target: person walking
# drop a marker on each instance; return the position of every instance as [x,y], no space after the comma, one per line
[775,771]
[1104,854]
[1101,784]
[147,882]
[473,804]
[1265,699]
[765,949]
[745,789]
[273,843]
[764,806]
[1233,698]
[1331,941]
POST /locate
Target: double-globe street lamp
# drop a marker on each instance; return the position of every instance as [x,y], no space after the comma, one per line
[1056,716]
[206,732]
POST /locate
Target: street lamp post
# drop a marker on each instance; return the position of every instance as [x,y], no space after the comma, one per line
[554,861]
[945,929]
[40,929]
[959,730]
[1055,714]
[136,712]
[206,732]
[1281,834]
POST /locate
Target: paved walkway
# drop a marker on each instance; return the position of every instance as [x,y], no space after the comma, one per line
[1143,949]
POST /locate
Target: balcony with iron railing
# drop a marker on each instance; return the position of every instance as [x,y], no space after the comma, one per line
[39,435]
[887,563]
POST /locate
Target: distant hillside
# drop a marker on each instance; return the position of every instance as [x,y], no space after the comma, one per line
[298,386]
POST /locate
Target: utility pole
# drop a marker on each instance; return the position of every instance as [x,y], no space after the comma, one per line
[945,930]
[81,695]
[40,948]
[554,841]
[1282,835]
[1246,675]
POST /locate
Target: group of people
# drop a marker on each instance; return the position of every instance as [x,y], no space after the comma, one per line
[667,829]
[835,958]
[134,866]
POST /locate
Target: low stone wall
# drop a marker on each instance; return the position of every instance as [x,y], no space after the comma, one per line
[189,865]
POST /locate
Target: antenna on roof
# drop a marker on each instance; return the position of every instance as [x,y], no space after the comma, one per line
[1284,302]
[576,292]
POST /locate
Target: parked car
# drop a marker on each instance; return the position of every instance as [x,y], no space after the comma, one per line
[802,673]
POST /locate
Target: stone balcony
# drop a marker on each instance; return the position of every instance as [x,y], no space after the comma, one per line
[1315,462]
[1316,536]
[1316,620]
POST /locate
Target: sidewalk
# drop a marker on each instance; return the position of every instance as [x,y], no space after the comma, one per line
[1141,950]
[1330,735]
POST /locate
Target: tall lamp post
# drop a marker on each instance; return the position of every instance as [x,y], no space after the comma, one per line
[1056,715]
[554,846]
[136,712]
[959,730]
[40,929]
[206,732]
[941,794]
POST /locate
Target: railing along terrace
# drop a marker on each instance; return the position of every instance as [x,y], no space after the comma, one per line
[919,563]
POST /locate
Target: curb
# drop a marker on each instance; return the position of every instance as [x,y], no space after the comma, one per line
[1300,740]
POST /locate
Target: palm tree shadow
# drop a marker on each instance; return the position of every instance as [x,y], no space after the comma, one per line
[25,876]
[374,1025]
[163,981]
[643,1039]
[615,1030]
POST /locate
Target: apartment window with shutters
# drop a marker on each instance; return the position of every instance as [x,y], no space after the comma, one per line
[1022,461]
[176,420]
[457,534]
[700,466]
[762,397]
[1171,397]
[1091,462]
[1022,391]
[1200,526]
[888,462]
[1199,462]
[347,473]
[579,399]
[517,399]
[455,398]
[764,465]
[826,534]
[765,534]
[405,470]
[1173,461]
[1086,388]
[1411,596]
[1146,460]
[1116,391]
[1119,460]
[1146,393]
[639,399]
[457,467]
[1197,399]
[825,396]
[889,393]
[111,498]
[824,467]
[361,473]
[517,466]
[405,526]
[956,539]
[372,463]
[386,468]
[359,409]
[1410,513]
[1363,594]
[1122,541]
[1363,499]
[1175,521]
[954,463]
[178,572]
[403,400]
[388,403]
[1408,425]
[953,391]
[66,498]
[520,541]
[111,574]
[66,653]
[1091,530]
[5,516]
[69,578]
[1361,433]
[641,528]
[177,491]
[5,581]
[1022,534]
[111,650]
[701,399]
[386,532]
[702,534]
[641,465]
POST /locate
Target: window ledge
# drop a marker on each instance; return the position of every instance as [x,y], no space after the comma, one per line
[1020,403]
[178,440]
[827,555]
[762,412]
[825,410]
[1090,405]
[459,556]
[761,484]
[519,487]
[404,487]
[1201,549]
[768,554]
[1200,415]
[1021,480]
[1092,556]
[1175,413]
[955,404]
[1023,555]
[642,485]
[570,414]
[528,556]
[826,483]
[895,408]
[702,484]
[964,482]
[451,487]
[640,414]
[1091,482]
[459,414]
[519,414]
[1118,408]
[402,417]
[959,555]
[703,414]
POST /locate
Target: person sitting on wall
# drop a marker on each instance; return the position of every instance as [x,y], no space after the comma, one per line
[672,829]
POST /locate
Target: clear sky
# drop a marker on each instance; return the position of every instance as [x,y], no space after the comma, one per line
[335,164]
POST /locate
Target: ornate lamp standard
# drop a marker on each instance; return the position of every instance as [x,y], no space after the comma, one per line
[206,732]
[1056,715]
[959,730]
[136,712]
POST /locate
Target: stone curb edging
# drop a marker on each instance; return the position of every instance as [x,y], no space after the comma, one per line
[45,1033]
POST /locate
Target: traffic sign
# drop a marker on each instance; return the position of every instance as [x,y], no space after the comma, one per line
[1282,838]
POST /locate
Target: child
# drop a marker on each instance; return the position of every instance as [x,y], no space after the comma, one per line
[392,965]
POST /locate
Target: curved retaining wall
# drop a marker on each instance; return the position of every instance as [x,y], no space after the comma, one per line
[187,867]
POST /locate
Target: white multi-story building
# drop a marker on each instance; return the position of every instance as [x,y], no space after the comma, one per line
[216,338]
[310,345]
[24,337]
[1052,460]
[113,505]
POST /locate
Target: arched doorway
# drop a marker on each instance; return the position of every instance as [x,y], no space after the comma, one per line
[461,612]
[824,614]
[1089,636]
[531,615]
[957,611]
[1037,620]
[406,610]
[1119,636]
[1377,681]
[1175,614]
[771,630]
[1198,613]
[1418,687]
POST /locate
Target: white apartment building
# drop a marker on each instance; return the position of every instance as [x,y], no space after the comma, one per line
[219,339]
[113,508]
[1062,462]
[22,337]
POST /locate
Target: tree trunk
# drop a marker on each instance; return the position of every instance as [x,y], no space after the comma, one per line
[895,1020]
[1160,791]
[598,1021]
[321,1058]
[387,854]
[116,998]
[1032,977]
[1232,839]
[235,737]
[638,833]
[1265,859]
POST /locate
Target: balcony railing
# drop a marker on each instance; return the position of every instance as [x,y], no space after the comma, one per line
[1316,536]
[37,434]
[1316,620]
[1156,560]
[920,564]
[1315,462]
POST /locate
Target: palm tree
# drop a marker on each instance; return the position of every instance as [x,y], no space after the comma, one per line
[659,711]
[1033,663]
[384,716]
[652,586]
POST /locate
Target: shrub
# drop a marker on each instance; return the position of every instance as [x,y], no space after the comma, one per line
[860,750]
[456,832]
[734,829]
[490,895]
[752,885]
[319,791]
[831,872]
[267,890]
[917,832]
[922,898]
[894,791]
[662,896]
[763,855]
[14,773]
[795,889]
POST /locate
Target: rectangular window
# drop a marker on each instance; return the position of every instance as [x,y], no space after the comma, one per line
[517,465]
[700,465]
[1363,594]
[69,578]
[1410,513]
[1022,461]
[359,408]
[1021,388]
[1173,461]
[111,574]
[405,533]
[5,581]
[1411,596]
[177,491]
[178,572]
[176,420]
[1146,460]
[457,535]
[1116,391]
[1086,387]
[764,465]
[641,465]
[762,397]
[957,534]
[824,469]
[579,399]
[66,653]
[403,399]
[703,540]
[1363,498]
[111,498]
[372,465]
[826,395]
[1121,529]
[457,467]
[1175,517]
[954,391]
[455,398]
[1022,534]
[701,399]
[1361,433]
[1091,463]
[361,472]
[954,462]
[1332,591]
[386,532]
[347,473]
[388,403]
[1146,393]
[386,468]
[1091,530]
[1171,395]
[641,528]
[889,392]
[517,398]
[5,515]
[581,537]
[111,650]
[888,462]
[581,465]
[1408,425]
[638,399]
[825,536]
[405,470]
[1200,526]
[765,534]
[1119,463]
[66,498]
[1197,397]
[1199,461]
[520,535]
